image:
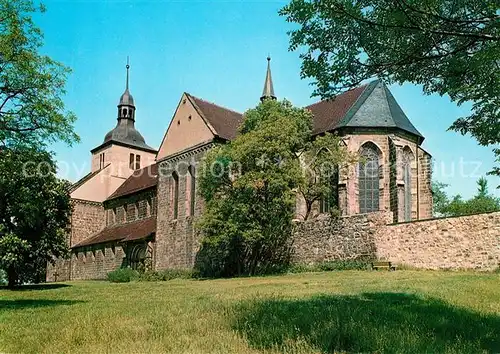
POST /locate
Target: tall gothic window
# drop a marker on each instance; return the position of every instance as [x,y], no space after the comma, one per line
[192,190]
[407,159]
[368,178]
[175,179]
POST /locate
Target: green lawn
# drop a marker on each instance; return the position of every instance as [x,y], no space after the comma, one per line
[349,311]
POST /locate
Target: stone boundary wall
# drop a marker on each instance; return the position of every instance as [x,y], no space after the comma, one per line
[348,237]
[464,242]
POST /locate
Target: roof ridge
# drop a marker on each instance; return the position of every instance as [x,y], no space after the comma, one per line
[213,104]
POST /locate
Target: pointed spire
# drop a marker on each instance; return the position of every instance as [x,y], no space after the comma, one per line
[126,98]
[268,91]
[128,67]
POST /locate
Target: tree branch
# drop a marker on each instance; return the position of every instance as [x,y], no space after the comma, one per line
[485,37]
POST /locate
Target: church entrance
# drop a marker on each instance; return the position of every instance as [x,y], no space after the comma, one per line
[140,256]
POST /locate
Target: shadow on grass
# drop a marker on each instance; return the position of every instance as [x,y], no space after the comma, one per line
[49,286]
[372,322]
[33,303]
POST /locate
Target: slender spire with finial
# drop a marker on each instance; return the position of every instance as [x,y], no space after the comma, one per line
[268,91]
[126,98]
[128,67]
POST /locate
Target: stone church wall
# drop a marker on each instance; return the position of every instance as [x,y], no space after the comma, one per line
[87,218]
[177,242]
[424,185]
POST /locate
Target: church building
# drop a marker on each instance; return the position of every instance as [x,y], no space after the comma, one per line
[138,205]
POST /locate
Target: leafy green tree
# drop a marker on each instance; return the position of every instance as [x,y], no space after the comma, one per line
[34,214]
[32,85]
[250,187]
[440,199]
[322,161]
[482,202]
[482,187]
[449,47]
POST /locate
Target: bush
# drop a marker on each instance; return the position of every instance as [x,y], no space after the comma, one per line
[344,265]
[167,274]
[302,268]
[330,266]
[123,275]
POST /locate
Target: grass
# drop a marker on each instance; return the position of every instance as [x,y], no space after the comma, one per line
[346,311]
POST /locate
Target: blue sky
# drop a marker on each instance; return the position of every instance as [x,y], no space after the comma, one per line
[215,50]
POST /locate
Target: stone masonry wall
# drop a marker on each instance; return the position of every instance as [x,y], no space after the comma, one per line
[91,262]
[131,207]
[348,237]
[59,271]
[177,242]
[465,242]
[424,185]
[95,262]
[87,218]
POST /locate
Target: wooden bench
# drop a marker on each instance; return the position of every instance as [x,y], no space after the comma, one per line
[383,265]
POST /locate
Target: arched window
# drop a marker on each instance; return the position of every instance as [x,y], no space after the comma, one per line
[175,179]
[368,178]
[192,189]
[407,159]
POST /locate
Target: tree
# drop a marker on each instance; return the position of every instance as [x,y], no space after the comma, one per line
[250,187]
[35,209]
[32,111]
[322,161]
[482,202]
[449,47]
[482,187]
[440,199]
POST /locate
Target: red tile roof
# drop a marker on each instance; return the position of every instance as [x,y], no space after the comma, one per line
[225,121]
[141,179]
[328,113]
[135,230]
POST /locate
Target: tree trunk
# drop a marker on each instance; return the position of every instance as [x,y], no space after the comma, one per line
[12,277]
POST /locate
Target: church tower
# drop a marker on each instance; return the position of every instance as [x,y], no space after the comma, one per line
[122,151]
